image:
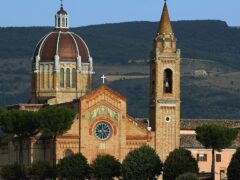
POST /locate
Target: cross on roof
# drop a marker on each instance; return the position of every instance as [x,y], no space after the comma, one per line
[61,3]
[103,78]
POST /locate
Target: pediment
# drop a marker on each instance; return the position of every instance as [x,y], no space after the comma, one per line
[103,95]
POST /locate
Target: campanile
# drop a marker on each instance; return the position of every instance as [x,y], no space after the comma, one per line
[165,88]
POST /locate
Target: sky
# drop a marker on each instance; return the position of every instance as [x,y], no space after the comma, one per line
[90,12]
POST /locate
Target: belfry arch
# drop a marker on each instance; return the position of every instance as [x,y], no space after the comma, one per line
[168,81]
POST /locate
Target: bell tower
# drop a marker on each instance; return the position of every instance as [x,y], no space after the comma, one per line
[165,88]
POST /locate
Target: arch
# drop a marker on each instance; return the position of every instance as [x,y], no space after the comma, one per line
[46,73]
[62,78]
[74,78]
[68,78]
[103,118]
[68,153]
[168,81]
[59,22]
[42,76]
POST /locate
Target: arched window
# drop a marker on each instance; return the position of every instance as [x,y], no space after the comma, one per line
[68,153]
[167,84]
[68,78]
[42,76]
[62,78]
[59,22]
[63,22]
[73,78]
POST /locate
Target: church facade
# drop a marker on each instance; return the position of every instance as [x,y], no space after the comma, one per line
[62,76]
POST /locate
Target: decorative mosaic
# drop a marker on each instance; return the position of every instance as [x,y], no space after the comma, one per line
[103,110]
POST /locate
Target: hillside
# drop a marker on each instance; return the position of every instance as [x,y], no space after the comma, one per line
[118,43]
[213,45]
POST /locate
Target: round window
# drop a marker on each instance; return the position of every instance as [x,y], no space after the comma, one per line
[168,119]
[103,131]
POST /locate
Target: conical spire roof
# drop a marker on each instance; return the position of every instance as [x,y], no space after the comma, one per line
[165,24]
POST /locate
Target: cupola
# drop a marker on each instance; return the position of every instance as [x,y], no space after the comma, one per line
[61,19]
[62,65]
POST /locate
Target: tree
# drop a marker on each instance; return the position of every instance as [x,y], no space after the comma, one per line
[216,137]
[178,162]
[55,121]
[73,167]
[233,171]
[141,164]
[106,167]
[187,176]
[19,125]
[40,170]
[13,172]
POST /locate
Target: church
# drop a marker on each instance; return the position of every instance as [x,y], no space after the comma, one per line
[62,71]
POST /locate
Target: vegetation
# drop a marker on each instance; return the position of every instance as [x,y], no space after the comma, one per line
[187,176]
[141,164]
[13,172]
[73,167]
[233,172]
[178,162]
[106,167]
[40,170]
[116,44]
[215,137]
[55,121]
[19,125]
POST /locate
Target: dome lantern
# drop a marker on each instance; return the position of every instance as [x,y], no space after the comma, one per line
[61,19]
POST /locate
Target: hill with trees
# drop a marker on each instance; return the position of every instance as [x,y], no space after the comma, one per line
[114,45]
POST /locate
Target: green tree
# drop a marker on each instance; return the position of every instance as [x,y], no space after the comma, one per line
[2,110]
[73,167]
[188,176]
[233,171]
[216,137]
[19,125]
[178,162]
[141,164]
[106,167]
[13,172]
[55,121]
[40,170]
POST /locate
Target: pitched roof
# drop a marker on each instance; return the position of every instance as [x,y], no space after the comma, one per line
[191,124]
[102,89]
[190,141]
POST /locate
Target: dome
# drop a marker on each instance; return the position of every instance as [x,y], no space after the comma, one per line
[67,45]
[62,11]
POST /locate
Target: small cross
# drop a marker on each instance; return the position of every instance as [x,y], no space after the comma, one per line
[61,3]
[103,78]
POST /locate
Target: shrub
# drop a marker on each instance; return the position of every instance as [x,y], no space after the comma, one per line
[106,167]
[178,162]
[13,172]
[141,164]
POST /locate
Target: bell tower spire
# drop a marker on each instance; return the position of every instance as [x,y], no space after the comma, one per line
[164,112]
[61,19]
[165,26]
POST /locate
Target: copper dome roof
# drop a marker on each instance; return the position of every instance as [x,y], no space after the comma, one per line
[62,11]
[67,45]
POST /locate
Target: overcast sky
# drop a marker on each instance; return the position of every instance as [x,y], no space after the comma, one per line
[90,12]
